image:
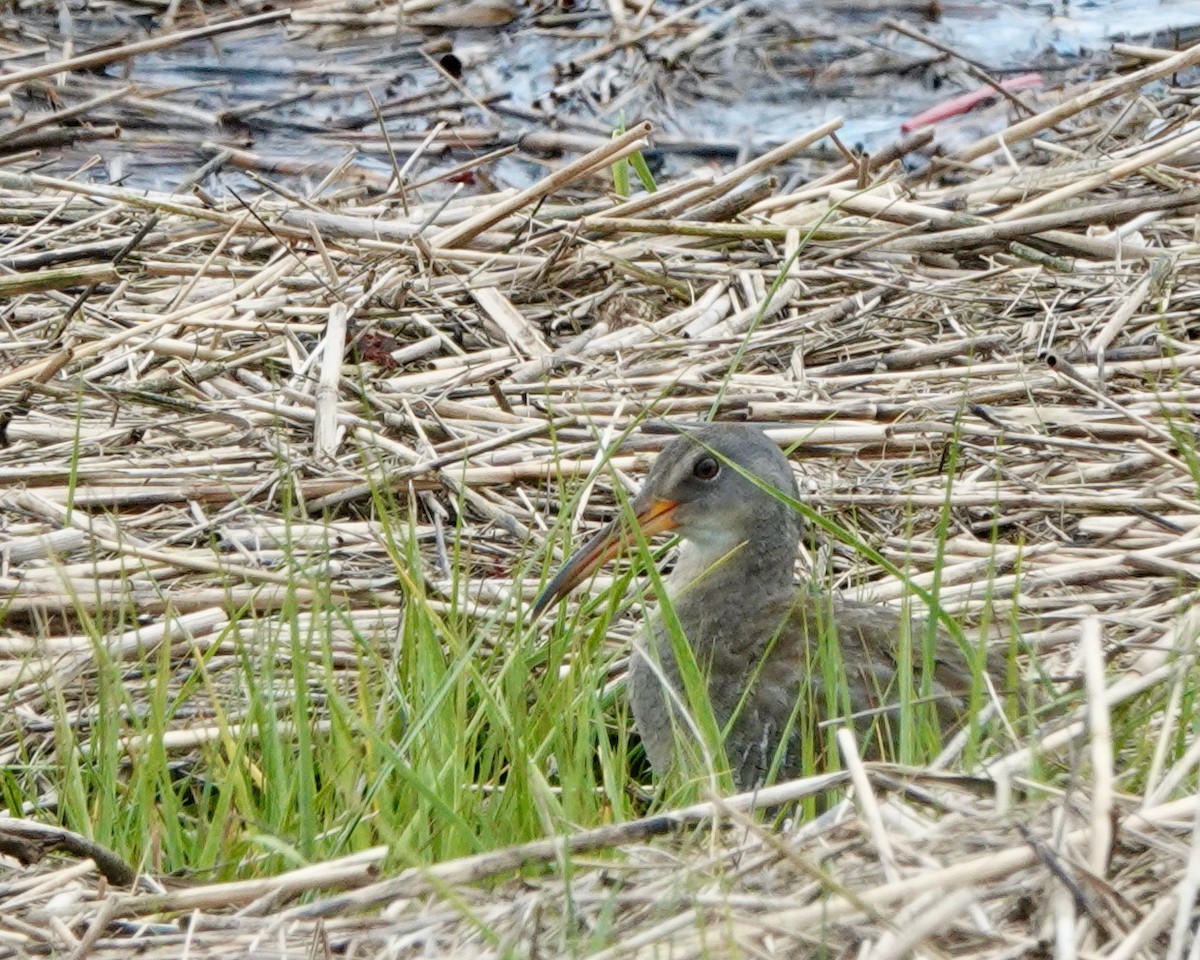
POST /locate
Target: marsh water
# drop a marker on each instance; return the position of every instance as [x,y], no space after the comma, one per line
[355,95]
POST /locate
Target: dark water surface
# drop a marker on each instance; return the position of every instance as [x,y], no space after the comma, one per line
[295,95]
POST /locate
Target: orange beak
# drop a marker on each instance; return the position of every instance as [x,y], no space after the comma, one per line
[652,516]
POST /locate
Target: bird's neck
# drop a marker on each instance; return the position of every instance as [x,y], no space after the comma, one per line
[750,565]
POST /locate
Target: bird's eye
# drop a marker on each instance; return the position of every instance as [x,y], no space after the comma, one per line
[706,468]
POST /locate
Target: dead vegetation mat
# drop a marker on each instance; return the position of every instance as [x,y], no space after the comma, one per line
[178,373]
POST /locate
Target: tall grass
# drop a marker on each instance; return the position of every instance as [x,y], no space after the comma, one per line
[445,731]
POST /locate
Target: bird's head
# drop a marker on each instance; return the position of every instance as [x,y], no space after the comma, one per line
[717,487]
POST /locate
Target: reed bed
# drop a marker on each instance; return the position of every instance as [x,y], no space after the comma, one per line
[336,412]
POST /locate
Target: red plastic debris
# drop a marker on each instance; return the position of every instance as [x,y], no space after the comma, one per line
[956,106]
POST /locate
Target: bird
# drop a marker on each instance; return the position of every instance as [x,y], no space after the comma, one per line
[761,642]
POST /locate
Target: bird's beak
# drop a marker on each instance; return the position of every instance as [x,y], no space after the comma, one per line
[652,515]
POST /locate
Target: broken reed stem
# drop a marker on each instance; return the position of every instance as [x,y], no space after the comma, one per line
[1100,730]
[325,401]
[1142,160]
[107,55]
[1092,97]
[622,146]
[868,803]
